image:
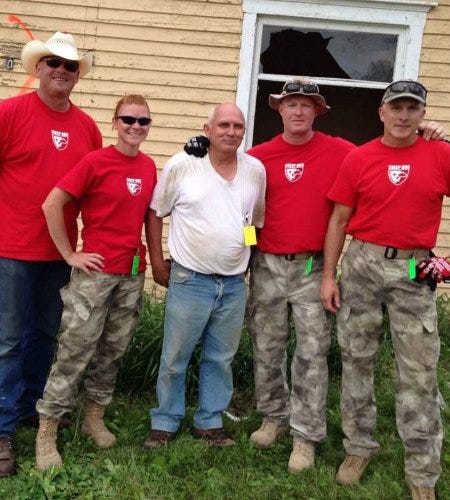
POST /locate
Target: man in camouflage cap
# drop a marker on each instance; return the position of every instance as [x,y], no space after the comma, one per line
[388,196]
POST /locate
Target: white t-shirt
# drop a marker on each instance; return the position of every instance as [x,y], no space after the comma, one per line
[208,213]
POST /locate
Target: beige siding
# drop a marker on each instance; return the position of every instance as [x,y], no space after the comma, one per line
[435,74]
[181,54]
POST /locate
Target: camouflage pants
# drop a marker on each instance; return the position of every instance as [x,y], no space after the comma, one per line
[99,319]
[368,281]
[279,291]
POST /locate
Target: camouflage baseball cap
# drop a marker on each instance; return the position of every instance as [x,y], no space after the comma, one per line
[405,89]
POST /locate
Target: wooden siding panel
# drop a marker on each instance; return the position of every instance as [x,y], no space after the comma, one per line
[436,55]
[131,67]
[182,55]
[134,53]
[184,21]
[442,12]
[191,69]
[218,35]
[224,8]
[435,74]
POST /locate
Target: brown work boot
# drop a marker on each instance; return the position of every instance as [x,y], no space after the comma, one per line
[7,459]
[46,450]
[94,426]
[302,456]
[215,437]
[271,430]
[420,492]
[158,438]
[351,469]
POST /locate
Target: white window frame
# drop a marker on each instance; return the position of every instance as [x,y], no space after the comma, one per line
[404,18]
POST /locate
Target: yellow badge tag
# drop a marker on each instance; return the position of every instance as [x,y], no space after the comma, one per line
[249,235]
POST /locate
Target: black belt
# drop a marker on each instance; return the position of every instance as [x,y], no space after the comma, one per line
[392,252]
[216,276]
[301,256]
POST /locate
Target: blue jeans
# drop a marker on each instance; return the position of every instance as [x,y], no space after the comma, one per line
[208,309]
[30,313]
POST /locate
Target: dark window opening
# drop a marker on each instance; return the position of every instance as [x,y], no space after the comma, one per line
[353,114]
[327,54]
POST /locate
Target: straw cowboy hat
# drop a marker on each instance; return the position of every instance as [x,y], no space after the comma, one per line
[300,86]
[59,44]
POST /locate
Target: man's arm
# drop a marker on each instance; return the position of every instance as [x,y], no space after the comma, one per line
[153,235]
[334,242]
[53,208]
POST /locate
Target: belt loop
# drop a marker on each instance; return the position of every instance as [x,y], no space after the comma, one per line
[390,253]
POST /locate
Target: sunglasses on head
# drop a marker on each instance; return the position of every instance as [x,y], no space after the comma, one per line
[304,88]
[131,120]
[55,62]
[414,88]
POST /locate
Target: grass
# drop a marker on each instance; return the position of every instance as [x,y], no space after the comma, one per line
[189,468]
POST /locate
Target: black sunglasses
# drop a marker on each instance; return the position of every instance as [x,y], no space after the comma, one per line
[55,62]
[411,87]
[304,88]
[144,121]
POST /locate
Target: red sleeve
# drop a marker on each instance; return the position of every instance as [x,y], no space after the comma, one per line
[343,190]
[77,180]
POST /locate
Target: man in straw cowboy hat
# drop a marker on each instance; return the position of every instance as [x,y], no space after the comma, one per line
[286,272]
[42,136]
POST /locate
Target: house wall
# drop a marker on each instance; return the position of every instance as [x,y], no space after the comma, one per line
[182,55]
[435,74]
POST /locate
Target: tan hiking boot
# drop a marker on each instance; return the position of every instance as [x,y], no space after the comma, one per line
[94,426]
[351,469]
[302,456]
[271,430]
[420,492]
[46,451]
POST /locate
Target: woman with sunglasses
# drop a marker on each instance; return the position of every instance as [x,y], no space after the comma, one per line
[113,187]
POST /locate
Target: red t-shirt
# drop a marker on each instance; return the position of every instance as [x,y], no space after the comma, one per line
[298,180]
[114,192]
[396,193]
[37,147]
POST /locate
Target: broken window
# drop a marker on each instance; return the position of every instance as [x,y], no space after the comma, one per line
[342,57]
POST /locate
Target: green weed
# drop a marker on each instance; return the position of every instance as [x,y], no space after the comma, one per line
[188,468]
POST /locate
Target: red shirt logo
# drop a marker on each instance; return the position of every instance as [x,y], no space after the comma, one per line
[293,171]
[134,186]
[398,173]
[60,139]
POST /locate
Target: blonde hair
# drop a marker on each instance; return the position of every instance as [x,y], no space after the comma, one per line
[131,99]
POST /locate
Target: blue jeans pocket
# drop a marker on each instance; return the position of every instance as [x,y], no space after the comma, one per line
[179,274]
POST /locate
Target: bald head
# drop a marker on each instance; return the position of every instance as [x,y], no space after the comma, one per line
[224,109]
[225,128]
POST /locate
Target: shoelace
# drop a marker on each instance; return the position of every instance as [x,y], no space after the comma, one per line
[304,448]
[5,443]
[425,493]
[269,425]
[354,462]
